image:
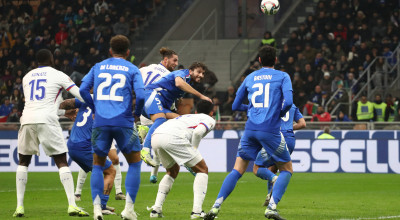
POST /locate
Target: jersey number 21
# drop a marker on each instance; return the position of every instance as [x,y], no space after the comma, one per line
[260,90]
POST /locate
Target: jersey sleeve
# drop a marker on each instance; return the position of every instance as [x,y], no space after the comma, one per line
[180,73]
[87,84]
[287,94]
[64,81]
[208,123]
[297,114]
[139,91]
[240,95]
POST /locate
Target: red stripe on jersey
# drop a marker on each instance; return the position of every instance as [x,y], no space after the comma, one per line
[193,127]
[70,87]
[59,91]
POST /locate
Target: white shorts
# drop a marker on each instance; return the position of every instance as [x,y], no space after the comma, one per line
[113,146]
[49,136]
[172,149]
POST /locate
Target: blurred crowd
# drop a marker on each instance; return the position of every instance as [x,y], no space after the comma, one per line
[326,55]
[77,32]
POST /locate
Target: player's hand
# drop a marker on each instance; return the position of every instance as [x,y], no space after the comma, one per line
[206,98]
[71,114]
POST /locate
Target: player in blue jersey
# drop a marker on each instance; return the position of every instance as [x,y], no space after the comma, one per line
[162,94]
[269,92]
[264,167]
[80,148]
[113,81]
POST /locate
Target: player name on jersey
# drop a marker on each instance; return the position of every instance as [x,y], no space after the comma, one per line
[114,67]
[39,74]
[262,77]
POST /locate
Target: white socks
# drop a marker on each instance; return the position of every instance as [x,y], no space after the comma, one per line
[129,205]
[81,180]
[21,180]
[118,179]
[163,189]
[68,182]
[199,191]
[154,170]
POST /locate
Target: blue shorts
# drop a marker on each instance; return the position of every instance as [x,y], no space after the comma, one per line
[263,159]
[127,139]
[154,104]
[84,158]
[273,143]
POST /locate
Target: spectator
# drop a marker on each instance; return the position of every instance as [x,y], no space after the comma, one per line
[364,109]
[309,53]
[324,99]
[335,82]
[316,96]
[381,110]
[321,115]
[310,84]
[297,82]
[268,40]
[5,109]
[14,115]
[326,82]
[99,5]
[229,98]
[326,135]
[254,65]
[61,35]
[342,117]
[121,27]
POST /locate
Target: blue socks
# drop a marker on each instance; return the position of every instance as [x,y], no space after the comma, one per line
[104,201]
[97,184]
[132,180]
[280,186]
[227,187]
[147,140]
[265,173]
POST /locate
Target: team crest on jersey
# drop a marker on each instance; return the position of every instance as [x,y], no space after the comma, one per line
[160,108]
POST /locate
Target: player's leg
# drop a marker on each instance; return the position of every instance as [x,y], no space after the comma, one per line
[261,164]
[154,170]
[160,142]
[248,149]
[28,145]
[52,141]
[21,179]
[158,119]
[82,155]
[112,154]
[199,188]
[79,184]
[276,147]
[101,143]
[109,176]
[128,142]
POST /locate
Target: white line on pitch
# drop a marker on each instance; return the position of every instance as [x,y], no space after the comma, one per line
[380,217]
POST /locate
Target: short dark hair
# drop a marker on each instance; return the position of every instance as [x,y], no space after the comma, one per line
[119,44]
[166,52]
[267,55]
[204,106]
[196,65]
[43,56]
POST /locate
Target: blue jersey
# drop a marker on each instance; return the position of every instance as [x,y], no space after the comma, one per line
[170,92]
[113,81]
[265,90]
[81,132]
[287,122]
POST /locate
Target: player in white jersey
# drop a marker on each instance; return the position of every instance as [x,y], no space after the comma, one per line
[176,142]
[39,125]
[151,74]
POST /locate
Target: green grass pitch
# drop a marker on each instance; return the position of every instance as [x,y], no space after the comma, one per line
[309,196]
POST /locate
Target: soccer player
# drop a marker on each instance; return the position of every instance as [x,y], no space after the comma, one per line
[162,94]
[176,142]
[263,167]
[81,151]
[113,81]
[269,92]
[152,74]
[39,125]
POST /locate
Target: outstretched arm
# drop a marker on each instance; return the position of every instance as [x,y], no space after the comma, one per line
[180,83]
[301,123]
[67,104]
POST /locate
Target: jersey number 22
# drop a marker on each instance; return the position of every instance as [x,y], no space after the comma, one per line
[112,96]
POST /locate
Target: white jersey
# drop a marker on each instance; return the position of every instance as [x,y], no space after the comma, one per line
[151,74]
[42,88]
[184,125]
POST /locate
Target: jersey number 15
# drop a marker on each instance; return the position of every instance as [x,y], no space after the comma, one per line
[260,90]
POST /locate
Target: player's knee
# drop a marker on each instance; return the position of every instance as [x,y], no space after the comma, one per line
[173,171]
[255,169]
[110,172]
[24,160]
